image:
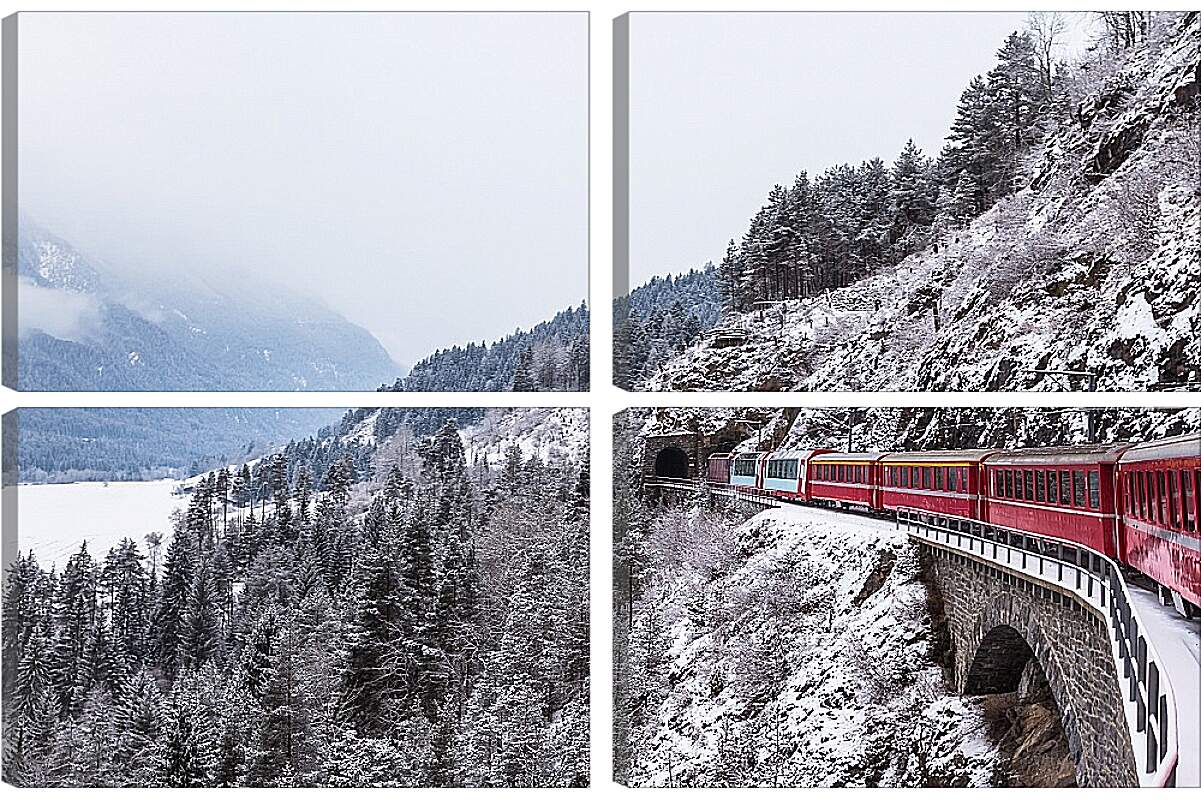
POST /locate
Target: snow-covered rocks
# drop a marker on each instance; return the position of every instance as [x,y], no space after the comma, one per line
[804,659]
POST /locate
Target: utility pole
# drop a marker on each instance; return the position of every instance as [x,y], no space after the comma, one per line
[852,415]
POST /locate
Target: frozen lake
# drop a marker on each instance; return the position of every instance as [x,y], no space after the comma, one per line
[53,519]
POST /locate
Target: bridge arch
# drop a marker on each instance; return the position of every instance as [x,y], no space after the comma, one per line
[671,462]
[1005,631]
[999,661]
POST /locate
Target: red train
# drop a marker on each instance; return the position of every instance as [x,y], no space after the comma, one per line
[1140,504]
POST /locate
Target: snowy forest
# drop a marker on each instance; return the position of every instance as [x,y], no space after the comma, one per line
[1055,230]
[662,318]
[408,611]
[550,357]
[853,220]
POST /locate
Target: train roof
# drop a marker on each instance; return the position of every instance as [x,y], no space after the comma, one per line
[803,455]
[1072,454]
[751,454]
[1187,446]
[845,457]
[720,455]
[937,457]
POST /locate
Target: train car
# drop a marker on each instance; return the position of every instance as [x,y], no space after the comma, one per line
[1159,488]
[944,481]
[786,473]
[846,479]
[745,471]
[1064,492]
[717,469]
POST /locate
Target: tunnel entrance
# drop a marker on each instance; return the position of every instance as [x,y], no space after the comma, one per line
[671,462]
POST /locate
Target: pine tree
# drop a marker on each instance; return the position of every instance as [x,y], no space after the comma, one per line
[200,639]
[522,378]
[139,749]
[911,201]
[171,614]
[75,612]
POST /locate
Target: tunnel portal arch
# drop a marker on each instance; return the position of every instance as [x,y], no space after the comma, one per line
[671,462]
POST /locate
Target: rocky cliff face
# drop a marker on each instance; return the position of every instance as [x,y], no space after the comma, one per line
[1092,267]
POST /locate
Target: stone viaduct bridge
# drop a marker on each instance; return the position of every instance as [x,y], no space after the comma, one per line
[1027,614]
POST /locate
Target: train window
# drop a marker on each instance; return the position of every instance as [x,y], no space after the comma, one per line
[1078,488]
[1065,488]
[1017,485]
[1187,496]
[1009,483]
[1094,489]
[1029,476]
[938,477]
[1160,496]
[1173,520]
[1052,487]
[953,479]
[1040,485]
[859,474]
[915,477]
[784,470]
[1140,479]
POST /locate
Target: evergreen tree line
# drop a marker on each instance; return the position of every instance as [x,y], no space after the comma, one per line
[318,632]
[552,356]
[829,230]
[660,319]
[133,444]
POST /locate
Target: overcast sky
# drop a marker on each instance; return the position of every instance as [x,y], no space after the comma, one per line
[425,175]
[725,105]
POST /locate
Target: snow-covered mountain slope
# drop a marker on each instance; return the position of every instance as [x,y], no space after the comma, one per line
[550,433]
[1092,267]
[805,661]
[84,326]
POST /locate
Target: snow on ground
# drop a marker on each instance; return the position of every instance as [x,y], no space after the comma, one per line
[810,661]
[551,433]
[54,519]
[1178,642]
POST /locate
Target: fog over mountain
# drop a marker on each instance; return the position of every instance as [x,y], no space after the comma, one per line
[423,175]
